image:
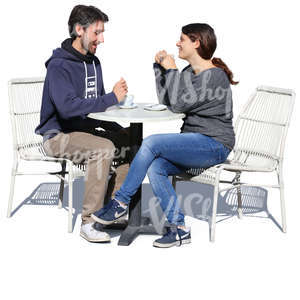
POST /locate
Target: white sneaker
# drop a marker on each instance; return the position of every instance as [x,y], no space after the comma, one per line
[89,233]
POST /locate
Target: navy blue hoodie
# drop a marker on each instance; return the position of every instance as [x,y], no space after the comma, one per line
[73,88]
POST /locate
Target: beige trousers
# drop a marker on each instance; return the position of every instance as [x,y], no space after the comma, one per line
[97,153]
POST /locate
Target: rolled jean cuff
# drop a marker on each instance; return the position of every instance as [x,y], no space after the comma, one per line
[177,223]
[176,219]
[119,197]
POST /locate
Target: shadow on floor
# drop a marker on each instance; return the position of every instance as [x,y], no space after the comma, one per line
[195,201]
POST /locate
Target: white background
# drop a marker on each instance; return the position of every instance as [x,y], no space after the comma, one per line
[251,258]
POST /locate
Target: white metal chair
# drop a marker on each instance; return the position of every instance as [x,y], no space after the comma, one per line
[25,96]
[261,131]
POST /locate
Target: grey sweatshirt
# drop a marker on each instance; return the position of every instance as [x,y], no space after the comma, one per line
[205,98]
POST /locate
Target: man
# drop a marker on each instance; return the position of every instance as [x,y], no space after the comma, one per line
[74,88]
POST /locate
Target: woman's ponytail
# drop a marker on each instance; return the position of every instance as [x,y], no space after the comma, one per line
[218,62]
[208,44]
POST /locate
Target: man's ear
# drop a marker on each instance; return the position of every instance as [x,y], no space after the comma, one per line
[79,30]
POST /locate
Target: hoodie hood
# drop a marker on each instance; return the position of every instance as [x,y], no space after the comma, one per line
[67,51]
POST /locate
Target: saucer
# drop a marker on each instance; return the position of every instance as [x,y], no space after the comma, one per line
[128,106]
[155,107]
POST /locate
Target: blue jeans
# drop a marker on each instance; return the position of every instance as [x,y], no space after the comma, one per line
[161,155]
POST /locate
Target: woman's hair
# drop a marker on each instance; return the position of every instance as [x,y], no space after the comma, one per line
[84,16]
[208,44]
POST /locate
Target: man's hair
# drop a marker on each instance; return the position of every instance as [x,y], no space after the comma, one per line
[84,16]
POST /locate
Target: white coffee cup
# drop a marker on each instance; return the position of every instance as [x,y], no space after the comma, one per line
[128,100]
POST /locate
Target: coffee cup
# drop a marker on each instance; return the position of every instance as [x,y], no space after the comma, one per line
[128,100]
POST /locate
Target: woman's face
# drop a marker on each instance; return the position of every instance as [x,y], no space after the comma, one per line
[186,47]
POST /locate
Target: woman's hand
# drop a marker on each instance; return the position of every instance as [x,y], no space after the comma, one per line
[165,60]
[160,56]
[168,62]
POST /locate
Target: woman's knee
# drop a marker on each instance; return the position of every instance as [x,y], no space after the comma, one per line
[157,168]
[152,141]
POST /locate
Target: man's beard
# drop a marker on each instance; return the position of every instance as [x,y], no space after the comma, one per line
[85,43]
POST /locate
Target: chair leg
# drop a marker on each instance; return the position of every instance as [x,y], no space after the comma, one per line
[174,182]
[62,184]
[239,197]
[12,187]
[282,201]
[70,213]
[214,214]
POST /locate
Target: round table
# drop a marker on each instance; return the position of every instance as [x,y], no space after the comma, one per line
[136,117]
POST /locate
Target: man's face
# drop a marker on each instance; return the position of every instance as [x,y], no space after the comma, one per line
[92,36]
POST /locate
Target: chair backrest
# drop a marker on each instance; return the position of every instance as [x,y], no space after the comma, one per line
[262,126]
[25,97]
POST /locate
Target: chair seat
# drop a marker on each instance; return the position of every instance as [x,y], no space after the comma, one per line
[208,176]
[232,165]
[37,153]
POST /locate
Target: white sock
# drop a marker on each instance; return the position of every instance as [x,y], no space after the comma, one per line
[184,228]
[122,204]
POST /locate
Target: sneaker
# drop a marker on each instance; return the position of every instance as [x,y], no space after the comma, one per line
[89,233]
[173,237]
[110,213]
[102,211]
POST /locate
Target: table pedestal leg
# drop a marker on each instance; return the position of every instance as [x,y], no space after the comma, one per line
[135,206]
[136,223]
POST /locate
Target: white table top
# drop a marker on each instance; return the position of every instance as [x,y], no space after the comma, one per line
[135,115]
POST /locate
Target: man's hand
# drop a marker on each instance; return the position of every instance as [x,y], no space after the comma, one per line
[120,89]
[165,60]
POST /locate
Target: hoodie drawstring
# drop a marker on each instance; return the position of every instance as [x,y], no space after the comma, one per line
[86,79]
[95,78]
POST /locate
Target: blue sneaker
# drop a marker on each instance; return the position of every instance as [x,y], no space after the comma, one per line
[173,237]
[110,213]
[101,211]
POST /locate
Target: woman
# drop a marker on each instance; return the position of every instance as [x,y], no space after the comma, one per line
[201,91]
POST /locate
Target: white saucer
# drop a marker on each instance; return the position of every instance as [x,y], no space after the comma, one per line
[155,107]
[128,106]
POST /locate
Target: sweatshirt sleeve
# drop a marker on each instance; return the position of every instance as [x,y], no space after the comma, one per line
[181,91]
[160,81]
[106,125]
[67,103]
[175,89]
